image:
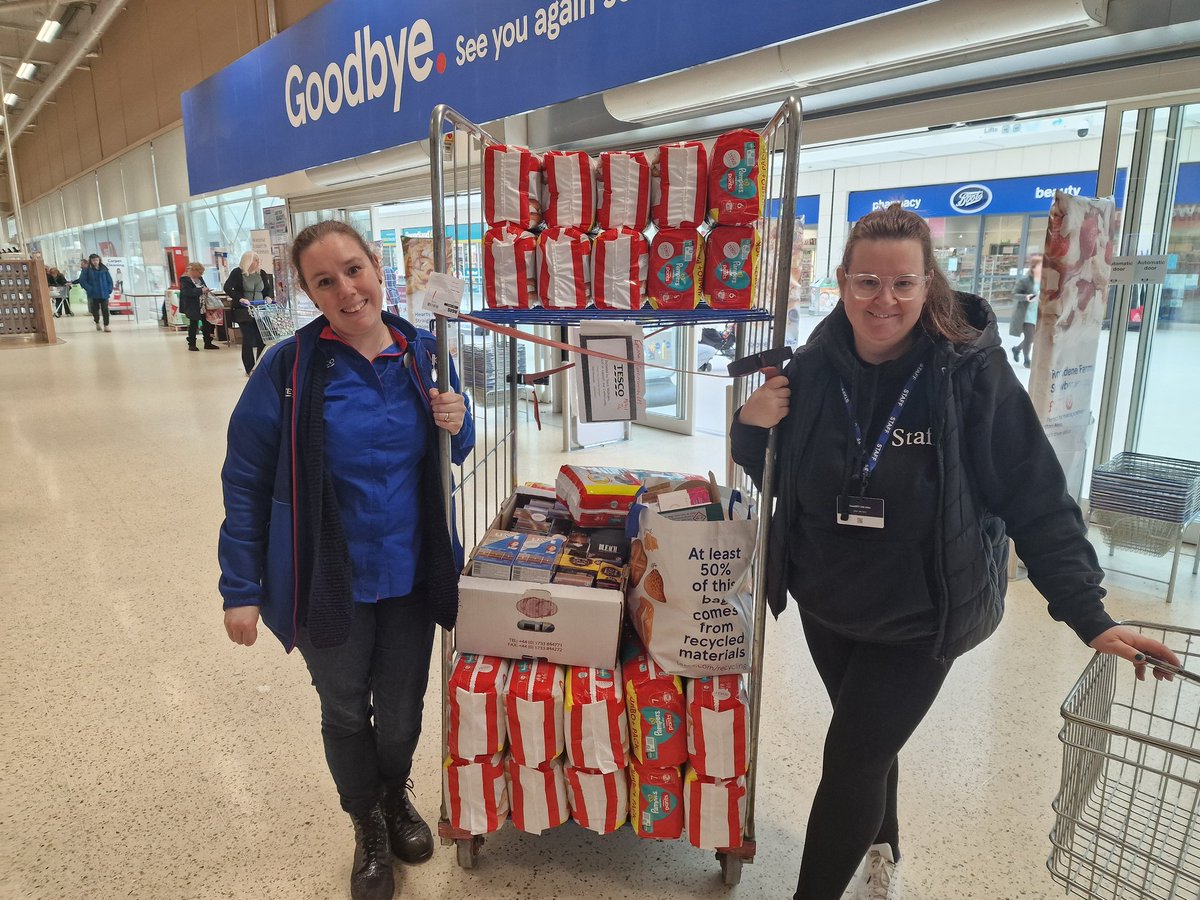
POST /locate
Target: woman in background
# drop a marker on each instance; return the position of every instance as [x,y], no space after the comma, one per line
[1028,287]
[96,280]
[191,294]
[246,286]
[60,290]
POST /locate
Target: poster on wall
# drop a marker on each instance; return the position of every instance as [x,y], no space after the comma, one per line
[418,266]
[220,256]
[275,221]
[118,303]
[260,243]
[1080,236]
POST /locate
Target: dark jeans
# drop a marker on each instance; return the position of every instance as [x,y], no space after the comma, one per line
[372,691]
[880,694]
[200,324]
[252,343]
[95,307]
[1026,345]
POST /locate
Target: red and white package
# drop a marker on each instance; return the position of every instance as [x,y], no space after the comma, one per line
[718,735]
[476,728]
[509,268]
[656,801]
[511,186]
[599,801]
[533,706]
[624,189]
[477,793]
[676,268]
[570,178]
[679,189]
[620,264]
[715,809]
[656,705]
[596,730]
[730,266]
[537,796]
[737,178]
[564,268]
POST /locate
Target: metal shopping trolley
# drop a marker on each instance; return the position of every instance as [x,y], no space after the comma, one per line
[486,480]
[1127,809]
[274,321]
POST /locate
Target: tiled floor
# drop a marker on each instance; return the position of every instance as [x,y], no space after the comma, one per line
[145,756]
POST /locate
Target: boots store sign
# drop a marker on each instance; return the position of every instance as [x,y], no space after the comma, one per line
[994,197]
[363,75]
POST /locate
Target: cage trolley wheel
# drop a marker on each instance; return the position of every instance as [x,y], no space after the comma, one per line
[468,851]
[731,868]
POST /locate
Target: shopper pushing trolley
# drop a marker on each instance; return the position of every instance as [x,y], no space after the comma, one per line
[907,454]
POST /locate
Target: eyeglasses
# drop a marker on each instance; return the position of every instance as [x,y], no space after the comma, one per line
[904,287]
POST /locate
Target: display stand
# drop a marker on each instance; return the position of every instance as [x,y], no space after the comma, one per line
[26,312]
[479,488]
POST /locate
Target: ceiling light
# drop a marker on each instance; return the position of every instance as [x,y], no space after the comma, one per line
[49,31]
[10,99]
[26,70]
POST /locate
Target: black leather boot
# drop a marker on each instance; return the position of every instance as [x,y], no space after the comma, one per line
[371,878]
[412,841]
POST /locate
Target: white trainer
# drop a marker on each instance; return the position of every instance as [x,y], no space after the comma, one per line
[876,879]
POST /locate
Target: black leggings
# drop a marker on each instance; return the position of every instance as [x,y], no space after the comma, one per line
[252,344]
[880,694]
[202,325]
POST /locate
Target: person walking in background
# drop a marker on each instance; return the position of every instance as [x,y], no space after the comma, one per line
[60,289]
[335,532]
[1027,289]
[895,547]
[191,295]
[248,285]
[96,280]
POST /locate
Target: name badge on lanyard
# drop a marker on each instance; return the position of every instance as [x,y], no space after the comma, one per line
[863,511]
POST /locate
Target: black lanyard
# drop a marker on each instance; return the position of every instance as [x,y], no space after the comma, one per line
[884,436]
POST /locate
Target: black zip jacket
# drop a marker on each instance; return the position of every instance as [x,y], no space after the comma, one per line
[994,475]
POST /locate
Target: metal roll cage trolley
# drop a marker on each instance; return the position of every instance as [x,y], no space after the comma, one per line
[489,476]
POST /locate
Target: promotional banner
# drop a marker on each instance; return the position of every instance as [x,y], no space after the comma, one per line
[1080,238]
[260,243]
[362,75]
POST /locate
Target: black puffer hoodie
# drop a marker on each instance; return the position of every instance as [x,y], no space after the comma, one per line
[997,476]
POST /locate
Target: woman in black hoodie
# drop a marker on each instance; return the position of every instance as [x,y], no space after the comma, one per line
[907,454]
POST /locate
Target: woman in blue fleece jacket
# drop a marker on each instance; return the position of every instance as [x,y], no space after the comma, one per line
[335,532]
[907,453]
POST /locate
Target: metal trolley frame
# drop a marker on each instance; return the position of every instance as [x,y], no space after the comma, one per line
[489,476]
[1128,809]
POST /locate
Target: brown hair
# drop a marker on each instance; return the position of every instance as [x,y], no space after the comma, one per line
[320,230]
[942,315]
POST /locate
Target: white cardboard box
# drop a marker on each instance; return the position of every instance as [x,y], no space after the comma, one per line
[562,623]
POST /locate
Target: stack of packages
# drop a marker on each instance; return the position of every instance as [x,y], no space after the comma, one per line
[690,745]
[626,228]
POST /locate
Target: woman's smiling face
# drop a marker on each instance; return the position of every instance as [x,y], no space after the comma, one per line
[883,325]
[345,283]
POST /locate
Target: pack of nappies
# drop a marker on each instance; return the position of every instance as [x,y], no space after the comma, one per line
[717,726]
[715,810]
[564,268]
[620,263]
[679,185]
[533,706]
[509,268]
[731,266]
[599,801]
[476,793]
[656,801]
[595,725]
[570,179]
[537,796]
[623,184]
[657,716]
[511,186]
[676,268]
[476,726]
[737,178]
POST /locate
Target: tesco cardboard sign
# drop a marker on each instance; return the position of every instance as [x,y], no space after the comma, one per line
[362,75]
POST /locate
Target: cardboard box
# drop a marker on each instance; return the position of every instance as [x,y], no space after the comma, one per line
[565,624]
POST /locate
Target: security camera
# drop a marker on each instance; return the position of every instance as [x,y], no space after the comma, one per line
[1082,132]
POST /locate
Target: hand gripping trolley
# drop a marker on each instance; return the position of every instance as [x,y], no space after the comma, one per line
[1126,812]
[482,484]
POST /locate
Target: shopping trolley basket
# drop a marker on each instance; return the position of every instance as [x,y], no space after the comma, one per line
[1127,806]
[274,321]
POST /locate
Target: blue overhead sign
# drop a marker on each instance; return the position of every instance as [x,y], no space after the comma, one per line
[973,198]
[358,76]
[808,209]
